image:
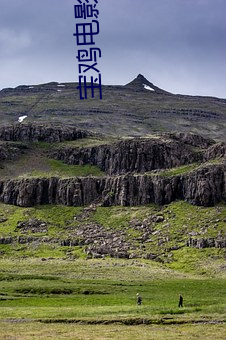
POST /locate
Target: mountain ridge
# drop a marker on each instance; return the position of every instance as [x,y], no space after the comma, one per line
[138,108]
[135,84]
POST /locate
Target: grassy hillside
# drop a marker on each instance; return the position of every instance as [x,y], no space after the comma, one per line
[36,162]
[179,221]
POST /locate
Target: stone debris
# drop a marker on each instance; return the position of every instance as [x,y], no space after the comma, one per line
[33,225]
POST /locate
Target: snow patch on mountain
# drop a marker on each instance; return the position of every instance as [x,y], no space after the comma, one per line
[148,87]
[21,118]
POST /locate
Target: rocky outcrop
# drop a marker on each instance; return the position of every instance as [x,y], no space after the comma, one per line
[205,186]
[201,243]
[191,139]
[128,156]
[98,241]
[11,151]
[29,192]
[215,151]
[6,240]
[33,225]
[36,133]
[125,163]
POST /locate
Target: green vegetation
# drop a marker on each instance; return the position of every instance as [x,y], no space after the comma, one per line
[180,170]
[184,169]
[47,288]
[60,169]
[55,216]
[210,261]
[179,222]
[36,163]
[78,143]
[49,285]
[119,217]
[104,291]
[76,331]
[88,142]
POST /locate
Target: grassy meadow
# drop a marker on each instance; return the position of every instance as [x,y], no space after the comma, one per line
[96,299]
[52,291]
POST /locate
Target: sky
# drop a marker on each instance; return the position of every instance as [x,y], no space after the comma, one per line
[179,45]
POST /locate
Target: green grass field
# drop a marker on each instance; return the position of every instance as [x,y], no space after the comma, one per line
[38,331]
[62,170]
[96,299]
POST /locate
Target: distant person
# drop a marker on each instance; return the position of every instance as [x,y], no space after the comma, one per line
[139,299]
[180,301]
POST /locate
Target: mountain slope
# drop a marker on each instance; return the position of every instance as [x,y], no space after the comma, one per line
[130,110]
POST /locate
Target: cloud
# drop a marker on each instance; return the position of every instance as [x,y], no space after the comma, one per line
[13,42]
[178,44]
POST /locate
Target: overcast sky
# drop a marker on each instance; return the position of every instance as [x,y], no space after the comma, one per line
[179,45]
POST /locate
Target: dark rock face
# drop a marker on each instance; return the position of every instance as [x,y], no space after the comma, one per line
[201,243]
[4,153]
[215,151]
[29,192]
[125,162]
[131,156]
[35,133]
[205,186]
[9,151]
[192,139]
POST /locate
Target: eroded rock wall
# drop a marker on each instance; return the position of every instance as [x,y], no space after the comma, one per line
[11,151]
[205,186]
[35,133]
[131,156]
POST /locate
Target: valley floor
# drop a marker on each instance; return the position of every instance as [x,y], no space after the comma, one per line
[96,299]
[36,331]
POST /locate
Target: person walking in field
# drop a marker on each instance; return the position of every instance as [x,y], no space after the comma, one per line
[139,299]
[180,301]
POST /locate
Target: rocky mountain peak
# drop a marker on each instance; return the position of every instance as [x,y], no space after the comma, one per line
[140,83]
[141,77]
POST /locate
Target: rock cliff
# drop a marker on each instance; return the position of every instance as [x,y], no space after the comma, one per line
[133,167]
[215,151]
[132,155]
[37,132]
[11,151]
[205,186]
[191,139]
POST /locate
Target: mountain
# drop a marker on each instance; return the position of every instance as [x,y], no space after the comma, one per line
[93,192]
[138,108]
[140,83]
[140,173]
